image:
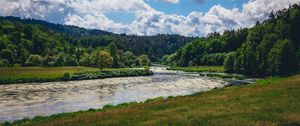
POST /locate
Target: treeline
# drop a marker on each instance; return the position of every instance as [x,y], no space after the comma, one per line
[29,42]
[21,39]
[269,48]
[210,50]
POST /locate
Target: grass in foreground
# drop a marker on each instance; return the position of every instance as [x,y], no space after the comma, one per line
[270,102]
[42,74]
[199,69]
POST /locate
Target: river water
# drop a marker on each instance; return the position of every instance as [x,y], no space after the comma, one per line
[19,101]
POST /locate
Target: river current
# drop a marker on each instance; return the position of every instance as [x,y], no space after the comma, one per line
[27,100]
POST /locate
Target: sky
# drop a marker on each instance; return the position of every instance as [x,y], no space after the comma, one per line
[148,17]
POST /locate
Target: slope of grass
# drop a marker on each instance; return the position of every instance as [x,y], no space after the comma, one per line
[199,69]
[270,102]
[10,75]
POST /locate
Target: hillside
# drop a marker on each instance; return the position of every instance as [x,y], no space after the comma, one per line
[269,48]
[21,38]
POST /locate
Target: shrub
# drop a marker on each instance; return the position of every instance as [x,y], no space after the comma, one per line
[34,60]
[66,76]
[4,63]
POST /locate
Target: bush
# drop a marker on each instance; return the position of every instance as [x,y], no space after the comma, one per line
[34,60]
[4,63]
[8,55]
[110,73]
[66,76]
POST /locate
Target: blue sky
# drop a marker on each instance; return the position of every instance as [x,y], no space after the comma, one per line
[148,17]
[184,7]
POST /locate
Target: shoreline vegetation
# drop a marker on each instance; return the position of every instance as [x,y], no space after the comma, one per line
[199,69]
[209,71]
[272,101]
[13,75]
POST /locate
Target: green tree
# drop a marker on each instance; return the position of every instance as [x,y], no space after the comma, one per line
[8,55]
[164,59]
[129,59]
[262,51]
[229,62]
[103,59]
[85,60]
[71,60]
[34,60]
[60,59]
[282,58]
[4,63]
[79,53]
[144,60]
[113,50]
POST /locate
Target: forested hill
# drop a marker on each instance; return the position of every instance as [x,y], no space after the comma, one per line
[58,28]
[22,38]
[269,48]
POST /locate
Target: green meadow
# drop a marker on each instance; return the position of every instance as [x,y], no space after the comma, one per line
[10,75]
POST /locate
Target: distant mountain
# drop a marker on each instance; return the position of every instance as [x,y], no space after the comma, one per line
[64,29]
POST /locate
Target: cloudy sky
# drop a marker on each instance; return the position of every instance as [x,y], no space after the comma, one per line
[148,17]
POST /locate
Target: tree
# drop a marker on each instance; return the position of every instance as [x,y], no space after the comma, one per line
[229,62]
[79,53]
[164,59]
[103,59]
[113,50]
[144,60]
[71,60]
[191,63]
[129,59]
[85,60]
[282,58]
[262,51]
[60,59]
[8,55]
[4,63]
[34,60]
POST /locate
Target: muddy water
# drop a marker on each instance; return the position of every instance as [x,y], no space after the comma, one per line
[18,101]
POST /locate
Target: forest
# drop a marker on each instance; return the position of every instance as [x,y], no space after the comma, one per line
[30,42]
[269,48]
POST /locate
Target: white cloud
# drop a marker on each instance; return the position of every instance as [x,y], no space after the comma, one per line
[167,1]
[148,21]
[171,1]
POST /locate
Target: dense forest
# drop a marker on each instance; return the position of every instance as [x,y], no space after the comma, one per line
[30,42]
[269,48]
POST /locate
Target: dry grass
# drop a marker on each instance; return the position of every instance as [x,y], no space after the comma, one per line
[260,104]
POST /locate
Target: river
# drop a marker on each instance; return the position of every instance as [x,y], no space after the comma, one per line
[19,101]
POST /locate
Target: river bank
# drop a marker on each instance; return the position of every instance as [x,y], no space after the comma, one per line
[199,69]
[13,75]
[273,101]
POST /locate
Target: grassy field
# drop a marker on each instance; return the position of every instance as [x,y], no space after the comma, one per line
[43,74]
[270,102]
[199,69]
[40,72]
